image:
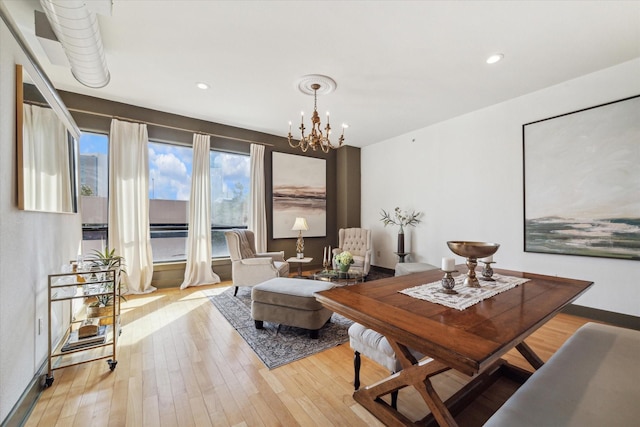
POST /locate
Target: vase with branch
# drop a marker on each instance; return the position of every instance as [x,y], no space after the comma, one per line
[402,219]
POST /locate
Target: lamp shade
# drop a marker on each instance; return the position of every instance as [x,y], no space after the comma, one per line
[300,224]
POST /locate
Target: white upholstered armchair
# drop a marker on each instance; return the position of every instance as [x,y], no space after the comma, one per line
[358,242]
[249,268]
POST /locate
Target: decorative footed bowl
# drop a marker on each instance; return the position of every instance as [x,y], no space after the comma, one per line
[472,251]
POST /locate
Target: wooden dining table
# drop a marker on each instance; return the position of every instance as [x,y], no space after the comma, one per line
[471,341]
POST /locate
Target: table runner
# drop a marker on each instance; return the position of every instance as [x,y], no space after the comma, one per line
[466,296]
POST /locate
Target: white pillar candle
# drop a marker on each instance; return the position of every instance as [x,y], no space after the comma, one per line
[448,264]
[487,259]
[329,255]
[324,257]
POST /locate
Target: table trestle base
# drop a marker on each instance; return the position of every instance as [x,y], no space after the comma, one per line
[417,375]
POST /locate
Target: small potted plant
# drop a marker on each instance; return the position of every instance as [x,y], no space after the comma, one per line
[344,261]
[106,259]
[103,305]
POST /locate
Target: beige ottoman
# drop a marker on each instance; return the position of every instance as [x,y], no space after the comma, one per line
[290,302]
[403,268]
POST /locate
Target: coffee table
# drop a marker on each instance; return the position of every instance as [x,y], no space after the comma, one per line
[471,341]
[340,278]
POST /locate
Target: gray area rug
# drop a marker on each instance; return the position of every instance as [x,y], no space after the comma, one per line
[289,343]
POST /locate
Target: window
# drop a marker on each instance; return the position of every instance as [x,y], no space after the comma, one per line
[169,190]
[170,168]
[94,190]
[229,196]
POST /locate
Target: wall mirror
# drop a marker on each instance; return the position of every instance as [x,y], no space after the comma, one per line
[46,148]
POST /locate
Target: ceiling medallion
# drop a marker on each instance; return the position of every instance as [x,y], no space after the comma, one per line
[312,85]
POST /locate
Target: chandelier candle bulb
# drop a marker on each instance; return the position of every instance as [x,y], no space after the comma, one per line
[448,264]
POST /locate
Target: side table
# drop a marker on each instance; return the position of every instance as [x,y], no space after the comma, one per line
[299,261]
[401,255]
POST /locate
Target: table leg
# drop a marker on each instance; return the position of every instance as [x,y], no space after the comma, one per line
[299,269]
[530,355]
[420,381]
[414,374]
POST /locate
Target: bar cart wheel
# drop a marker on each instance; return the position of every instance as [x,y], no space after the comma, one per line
[112,364]
[48,381]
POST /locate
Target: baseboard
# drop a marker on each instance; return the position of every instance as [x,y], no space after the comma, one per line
[618,319]
[23,407]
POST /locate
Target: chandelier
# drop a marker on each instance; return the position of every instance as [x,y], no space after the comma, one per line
[317,138]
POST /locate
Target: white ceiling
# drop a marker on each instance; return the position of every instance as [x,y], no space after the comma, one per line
[399,65]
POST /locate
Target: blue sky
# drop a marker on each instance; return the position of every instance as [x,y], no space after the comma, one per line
[91,143]
[170,167]
[169,171]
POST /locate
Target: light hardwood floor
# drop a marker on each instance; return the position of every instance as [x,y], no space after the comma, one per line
[180,363]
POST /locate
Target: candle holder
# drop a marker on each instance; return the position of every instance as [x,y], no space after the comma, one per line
[448,282]
[487,271]
[325,264]
[471,280]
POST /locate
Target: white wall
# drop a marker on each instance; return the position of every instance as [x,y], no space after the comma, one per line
[32,245]
[466,175]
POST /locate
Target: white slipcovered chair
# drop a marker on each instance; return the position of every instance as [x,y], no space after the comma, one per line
[376,347]
[249,268]
[358,242]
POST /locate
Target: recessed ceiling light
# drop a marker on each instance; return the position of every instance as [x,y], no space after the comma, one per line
[495,58]
[202,85]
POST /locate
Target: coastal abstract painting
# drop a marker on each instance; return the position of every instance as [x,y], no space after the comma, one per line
[299,190]
[582,182]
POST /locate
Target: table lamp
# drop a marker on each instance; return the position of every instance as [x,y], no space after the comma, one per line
[299,225]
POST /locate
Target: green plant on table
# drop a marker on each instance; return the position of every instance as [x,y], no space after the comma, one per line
[106,260]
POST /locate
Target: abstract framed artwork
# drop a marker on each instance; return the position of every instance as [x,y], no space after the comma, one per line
[299,190]
[582,182]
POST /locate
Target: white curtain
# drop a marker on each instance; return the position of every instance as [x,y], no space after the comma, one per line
[198,268]
[258,216]
[46,170]
[129,203]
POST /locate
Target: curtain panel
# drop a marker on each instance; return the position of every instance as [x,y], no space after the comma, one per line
[129,232]
[46,169]
[198,266]
[258,212]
